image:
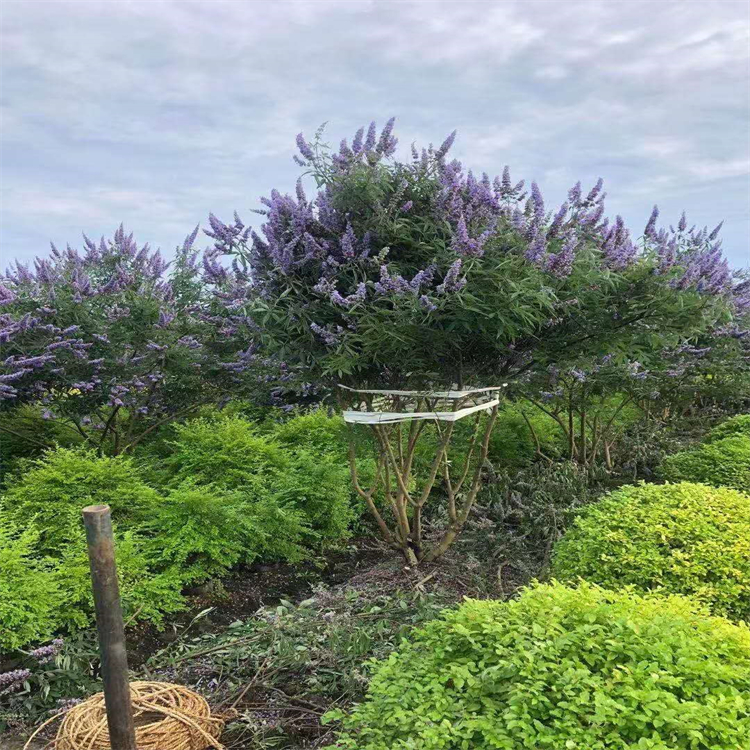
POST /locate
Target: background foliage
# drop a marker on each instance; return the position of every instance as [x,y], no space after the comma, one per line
[677,538]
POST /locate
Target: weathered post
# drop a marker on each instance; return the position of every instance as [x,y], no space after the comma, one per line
[110,627]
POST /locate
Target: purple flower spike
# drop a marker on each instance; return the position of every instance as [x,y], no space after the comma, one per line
[650,230]
[445,147]
[304,147]
[370,140]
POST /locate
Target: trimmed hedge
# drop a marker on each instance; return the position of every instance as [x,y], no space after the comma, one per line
[561,668]
[738,425]
[723,463]
[678,538]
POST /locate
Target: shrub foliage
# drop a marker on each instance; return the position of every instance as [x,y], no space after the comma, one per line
[306,476]
[562,668]
[29,593]
[53,489]
[737,425]
[722,463]
[679,538]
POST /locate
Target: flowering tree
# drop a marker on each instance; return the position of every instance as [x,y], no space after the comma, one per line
[108,343]
[422,274]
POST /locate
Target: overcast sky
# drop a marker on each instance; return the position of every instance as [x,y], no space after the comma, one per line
[154,112]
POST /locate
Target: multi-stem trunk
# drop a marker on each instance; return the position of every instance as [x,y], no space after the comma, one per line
[394,484]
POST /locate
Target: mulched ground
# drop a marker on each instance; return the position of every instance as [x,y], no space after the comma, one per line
[364,565]
[240,595]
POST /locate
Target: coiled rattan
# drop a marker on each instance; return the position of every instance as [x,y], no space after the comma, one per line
[166,717]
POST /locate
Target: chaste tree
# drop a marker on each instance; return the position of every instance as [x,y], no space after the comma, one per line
[113,342]
[420,274]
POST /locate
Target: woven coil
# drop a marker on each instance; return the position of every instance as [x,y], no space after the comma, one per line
[166,717]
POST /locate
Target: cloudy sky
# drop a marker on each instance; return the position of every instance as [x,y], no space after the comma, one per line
[156,112]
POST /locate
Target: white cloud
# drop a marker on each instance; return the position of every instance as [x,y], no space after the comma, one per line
[159,111]
[553,72]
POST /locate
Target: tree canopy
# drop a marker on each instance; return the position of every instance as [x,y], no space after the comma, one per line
[421,272]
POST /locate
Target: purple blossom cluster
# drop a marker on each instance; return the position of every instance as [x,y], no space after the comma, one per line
[11,682]
[45,654]
[693,257]
[89,333]
[366,148]
[453,281]
[328,334]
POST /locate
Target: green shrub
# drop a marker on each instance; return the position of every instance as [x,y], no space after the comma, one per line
[317,437]
[562,668]
[320,487]
[148,590]
[316,430]
[227,452]
[300,464]
[680,538]
[739,425]
[30,596]
[47,501]
[723,463]
[56,487]
[203,532]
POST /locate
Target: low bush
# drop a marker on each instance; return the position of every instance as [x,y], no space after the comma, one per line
[187,534]
[225,451]
[316,431]
[678,538]
[30,597]
[521,514]
[148,590]
[42,595]
[47,500]
[319,486]
[561,668]
[203,532]
[301,464]
[723,463]
[53,489]
[737,425]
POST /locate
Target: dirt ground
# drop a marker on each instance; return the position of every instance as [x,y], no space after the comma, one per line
[13,743]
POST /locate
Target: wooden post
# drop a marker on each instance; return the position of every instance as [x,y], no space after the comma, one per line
[110,627]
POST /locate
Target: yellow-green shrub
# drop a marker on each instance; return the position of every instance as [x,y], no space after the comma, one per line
[53,489]
[678,538]
[203,532]
[723,463]
[301,469]
[737,425]
[30,597]
[562,668]
[148,590]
